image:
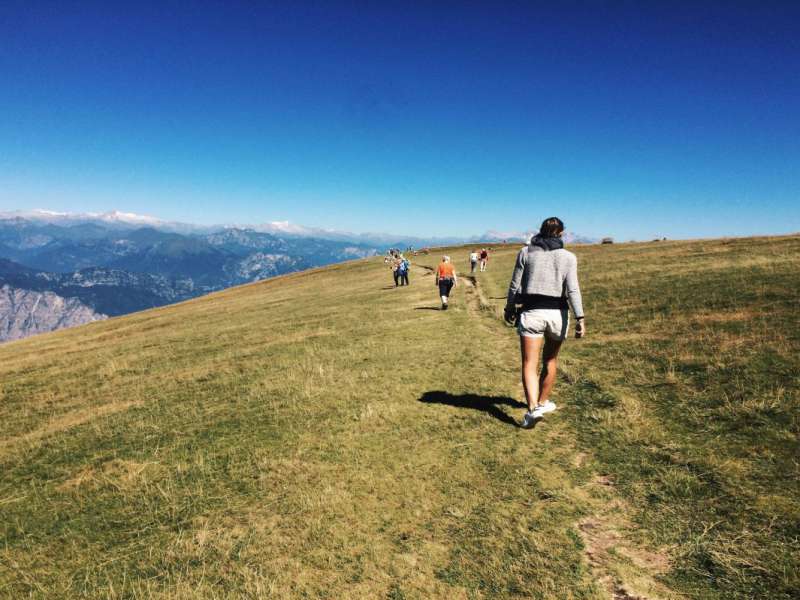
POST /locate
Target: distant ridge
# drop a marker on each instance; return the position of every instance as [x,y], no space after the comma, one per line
[128,220]
[500,236]
[113,218]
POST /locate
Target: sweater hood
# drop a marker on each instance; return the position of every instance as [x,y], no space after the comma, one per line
[547,243]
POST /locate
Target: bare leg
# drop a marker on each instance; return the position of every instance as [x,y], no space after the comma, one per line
[549,365]
[530,347]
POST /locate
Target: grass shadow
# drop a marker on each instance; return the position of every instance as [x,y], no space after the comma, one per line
[488,404]
[427,308]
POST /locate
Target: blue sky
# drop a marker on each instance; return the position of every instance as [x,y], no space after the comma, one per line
[630,119]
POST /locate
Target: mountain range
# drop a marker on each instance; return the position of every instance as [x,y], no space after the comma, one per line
[126,220]
[63,269]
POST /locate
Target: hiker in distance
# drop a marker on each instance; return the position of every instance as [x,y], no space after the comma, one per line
[395,273]
[545,283]
[399,266]
[446,279]
[473,261]
[402,268]
[484,258]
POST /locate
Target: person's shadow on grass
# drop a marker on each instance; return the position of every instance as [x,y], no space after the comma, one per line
[487,404]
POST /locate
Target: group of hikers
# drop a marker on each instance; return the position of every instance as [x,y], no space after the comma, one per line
[446,278]
[543,287]
[400,267]
[481,255]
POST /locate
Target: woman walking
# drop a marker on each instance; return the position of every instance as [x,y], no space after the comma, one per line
[545,283]
[484,259]
[446,279]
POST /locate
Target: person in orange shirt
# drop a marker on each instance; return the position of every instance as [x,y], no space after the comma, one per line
[446,279]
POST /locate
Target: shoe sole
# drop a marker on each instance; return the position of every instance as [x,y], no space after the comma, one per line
[535,420]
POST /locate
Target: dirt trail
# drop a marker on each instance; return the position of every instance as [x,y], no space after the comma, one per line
[623,570]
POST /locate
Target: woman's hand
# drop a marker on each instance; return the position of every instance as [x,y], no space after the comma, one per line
[510,315]
[580,328]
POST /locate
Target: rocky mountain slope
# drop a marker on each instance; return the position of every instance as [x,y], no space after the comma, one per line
[27,312]
[110,291]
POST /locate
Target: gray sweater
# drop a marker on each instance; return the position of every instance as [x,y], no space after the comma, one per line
[542,272]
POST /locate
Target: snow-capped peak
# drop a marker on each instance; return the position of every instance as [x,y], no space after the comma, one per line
[283,227]
[125,217]
[114,216]
[113,219]
[49,213]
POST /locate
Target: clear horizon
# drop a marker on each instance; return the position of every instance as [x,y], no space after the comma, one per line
[627,121]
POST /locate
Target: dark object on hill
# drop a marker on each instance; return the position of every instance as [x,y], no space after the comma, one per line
[607,240]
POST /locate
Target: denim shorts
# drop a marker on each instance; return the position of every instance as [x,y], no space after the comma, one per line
[538,322]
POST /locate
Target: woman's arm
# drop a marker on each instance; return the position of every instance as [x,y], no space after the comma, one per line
[516,280]
[574,290]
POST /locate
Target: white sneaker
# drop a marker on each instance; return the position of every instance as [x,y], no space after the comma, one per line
[530,418]
[547,407]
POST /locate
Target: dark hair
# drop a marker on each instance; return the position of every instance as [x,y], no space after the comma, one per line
[552,227]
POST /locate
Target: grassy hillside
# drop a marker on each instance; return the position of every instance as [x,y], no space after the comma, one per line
[326,435]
